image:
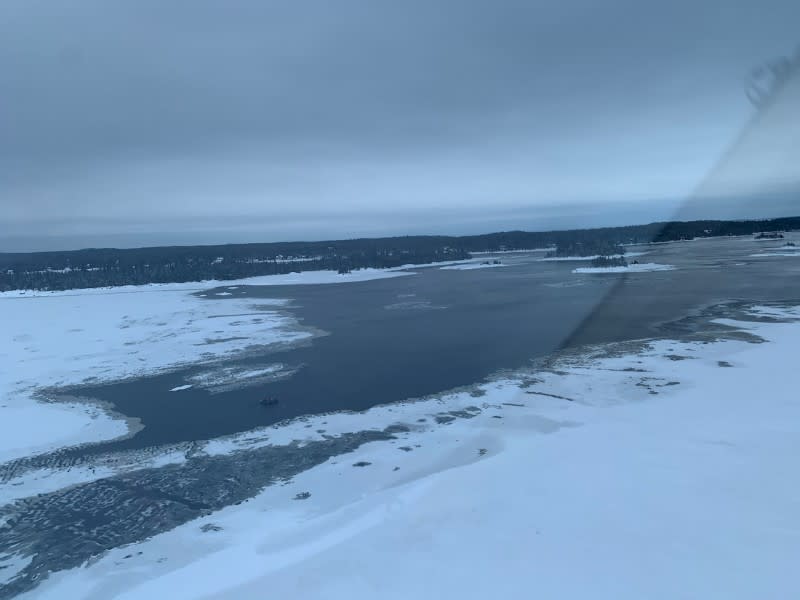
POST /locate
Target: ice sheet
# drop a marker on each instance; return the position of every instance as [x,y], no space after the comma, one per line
[624,476]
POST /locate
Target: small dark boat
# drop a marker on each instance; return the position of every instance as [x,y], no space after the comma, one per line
[268,401]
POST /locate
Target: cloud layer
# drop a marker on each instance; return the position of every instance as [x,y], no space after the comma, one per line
[154,115]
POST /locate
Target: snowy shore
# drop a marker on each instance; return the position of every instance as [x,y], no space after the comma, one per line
[297,278]
[66,339]
[56,339]
[658,471]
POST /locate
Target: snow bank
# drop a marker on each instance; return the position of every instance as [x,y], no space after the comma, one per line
[69,338]
[660,474]
[631,268]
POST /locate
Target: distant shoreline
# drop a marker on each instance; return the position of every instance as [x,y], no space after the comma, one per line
[111,268]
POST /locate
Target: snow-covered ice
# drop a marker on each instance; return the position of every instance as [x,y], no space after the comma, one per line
[28,426]
[631,268]
[180,388]
[633,475]
[472,266]
[225,378]
[69,338]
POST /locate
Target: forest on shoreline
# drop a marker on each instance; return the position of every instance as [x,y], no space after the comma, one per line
[104,267]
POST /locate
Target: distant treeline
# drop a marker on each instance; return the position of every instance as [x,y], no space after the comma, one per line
[100,267]
[598,247]
[609,261]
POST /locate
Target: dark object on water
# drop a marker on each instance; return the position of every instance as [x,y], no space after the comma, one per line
[268,401]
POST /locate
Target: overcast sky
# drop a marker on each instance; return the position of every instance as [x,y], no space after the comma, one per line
[159,121]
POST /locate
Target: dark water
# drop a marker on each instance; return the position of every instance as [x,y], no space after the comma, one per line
[414,336]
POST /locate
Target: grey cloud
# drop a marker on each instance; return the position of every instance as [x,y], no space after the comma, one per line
[248,105]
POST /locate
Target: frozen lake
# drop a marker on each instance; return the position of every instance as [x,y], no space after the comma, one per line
[320,350]
[409,337]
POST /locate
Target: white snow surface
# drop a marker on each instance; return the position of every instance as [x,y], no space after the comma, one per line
[472,266]
[181,388]
[224,378]
[660,479]
[631,268]
[69,338]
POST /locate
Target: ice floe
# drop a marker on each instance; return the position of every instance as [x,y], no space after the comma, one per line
[226,378]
